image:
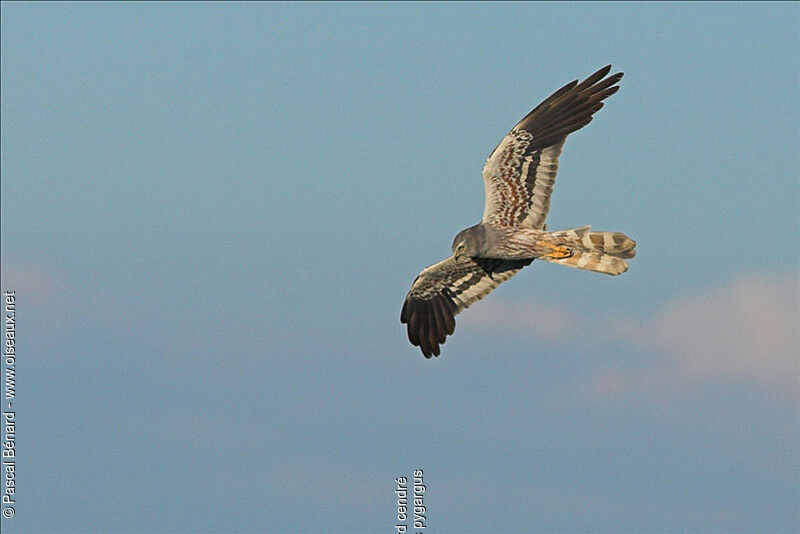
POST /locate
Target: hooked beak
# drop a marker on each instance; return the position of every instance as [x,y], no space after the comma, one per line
[457,256]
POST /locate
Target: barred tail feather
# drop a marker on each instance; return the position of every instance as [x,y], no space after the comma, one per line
[613,243]
[601,252]
[593,261]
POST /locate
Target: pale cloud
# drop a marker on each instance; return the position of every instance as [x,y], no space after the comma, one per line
[44,305]
[40,287]
[51,306]
[538,320]
[747,331]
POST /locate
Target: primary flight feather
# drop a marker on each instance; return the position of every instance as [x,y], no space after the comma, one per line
[518,177]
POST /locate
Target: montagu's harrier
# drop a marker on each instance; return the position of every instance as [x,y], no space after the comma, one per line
[518,178]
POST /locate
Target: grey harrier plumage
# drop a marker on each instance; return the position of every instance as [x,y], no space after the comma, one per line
[518,177]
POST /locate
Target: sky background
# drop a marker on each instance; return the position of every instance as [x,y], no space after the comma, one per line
[211,214]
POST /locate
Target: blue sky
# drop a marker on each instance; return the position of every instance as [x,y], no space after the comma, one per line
[211,214]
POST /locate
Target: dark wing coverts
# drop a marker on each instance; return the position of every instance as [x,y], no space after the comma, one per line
[520,172]
[442,290]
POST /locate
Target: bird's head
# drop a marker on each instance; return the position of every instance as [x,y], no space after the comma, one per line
[468,242]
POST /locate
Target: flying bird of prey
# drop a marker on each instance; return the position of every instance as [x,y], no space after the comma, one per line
[518,178]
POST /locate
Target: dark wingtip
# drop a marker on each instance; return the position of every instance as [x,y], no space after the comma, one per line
[602,73]
[429,322]
[593,78]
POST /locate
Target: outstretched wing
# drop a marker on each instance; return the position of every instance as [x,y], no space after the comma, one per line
[442,290]
[520,172]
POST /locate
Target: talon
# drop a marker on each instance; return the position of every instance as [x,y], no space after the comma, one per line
[559,252]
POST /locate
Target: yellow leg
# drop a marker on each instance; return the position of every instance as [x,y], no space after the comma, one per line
[559,252]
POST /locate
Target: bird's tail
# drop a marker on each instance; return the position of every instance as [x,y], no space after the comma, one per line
[601,252]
